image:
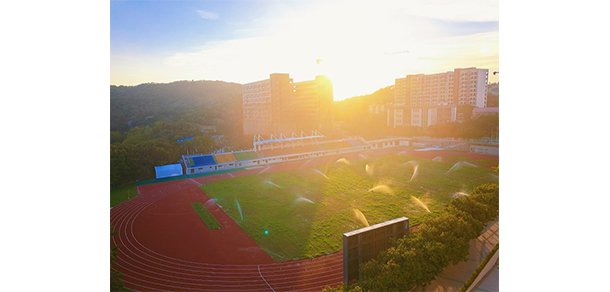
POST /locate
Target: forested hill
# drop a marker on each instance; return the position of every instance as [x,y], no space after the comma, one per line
[356,118]
[202,102]
[149,121]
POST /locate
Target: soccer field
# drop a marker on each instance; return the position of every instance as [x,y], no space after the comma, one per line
[304,212]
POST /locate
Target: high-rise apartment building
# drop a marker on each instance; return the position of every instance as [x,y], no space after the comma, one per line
[461,86]
[278,105]
[424,100]
[269,105]
[313,100]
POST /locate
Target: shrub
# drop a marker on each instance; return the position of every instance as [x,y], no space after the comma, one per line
[416,259]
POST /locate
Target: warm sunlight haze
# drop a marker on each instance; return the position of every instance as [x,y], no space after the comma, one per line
[361,46]
[291,145]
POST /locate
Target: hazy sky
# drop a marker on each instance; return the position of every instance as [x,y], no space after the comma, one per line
[363,45]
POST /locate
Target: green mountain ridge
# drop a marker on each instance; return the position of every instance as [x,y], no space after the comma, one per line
[147,103]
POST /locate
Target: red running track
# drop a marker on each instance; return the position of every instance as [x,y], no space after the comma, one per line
[164,245]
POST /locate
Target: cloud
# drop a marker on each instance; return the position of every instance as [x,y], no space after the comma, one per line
[450,10]
[240,60]
[359,57]
[207,15]
[444,54]
[353,69]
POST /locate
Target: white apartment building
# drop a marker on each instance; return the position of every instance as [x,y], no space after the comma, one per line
[268,105]
[257,106]
[423,100]
[421,116]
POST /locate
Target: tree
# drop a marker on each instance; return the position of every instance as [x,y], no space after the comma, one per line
[493,95]
[116,137]
[464,111]
[444,130]
[454,229]
[488,194]
[143,148]
[116,284]
[343,288]
[356,117]
[416,259]
[479,211]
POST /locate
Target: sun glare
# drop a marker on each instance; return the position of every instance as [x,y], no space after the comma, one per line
[353,45]
[360,46]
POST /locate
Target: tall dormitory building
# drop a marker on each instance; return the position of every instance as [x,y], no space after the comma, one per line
[314,100]
[278,105]
[424,100]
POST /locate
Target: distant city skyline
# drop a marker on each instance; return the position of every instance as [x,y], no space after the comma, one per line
[361,46]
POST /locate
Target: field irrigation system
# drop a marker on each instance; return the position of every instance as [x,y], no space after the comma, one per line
[281,225]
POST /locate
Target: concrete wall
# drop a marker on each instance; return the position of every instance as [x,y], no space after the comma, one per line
[377,144]
[485,149]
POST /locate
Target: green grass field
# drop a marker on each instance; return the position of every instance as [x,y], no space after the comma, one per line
[205,215]
[122,194]
[303,213]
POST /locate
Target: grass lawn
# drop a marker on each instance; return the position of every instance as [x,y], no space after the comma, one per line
[206,216]
[485,162]
[122,194]
[304,212]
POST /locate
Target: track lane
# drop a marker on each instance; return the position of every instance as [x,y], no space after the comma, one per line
[146,268]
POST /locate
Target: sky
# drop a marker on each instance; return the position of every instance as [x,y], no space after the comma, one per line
[361,46]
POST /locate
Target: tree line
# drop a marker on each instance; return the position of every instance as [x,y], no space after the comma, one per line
[134,154]
[483,126]
[146,121]
[354,117]
[203,101]
[440,241]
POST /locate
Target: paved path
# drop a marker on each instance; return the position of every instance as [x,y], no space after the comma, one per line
[454,276]
[491,281]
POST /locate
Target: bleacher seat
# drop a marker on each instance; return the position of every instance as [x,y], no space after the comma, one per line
[224,158]
[189,162]
[245,155]
[203,160]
